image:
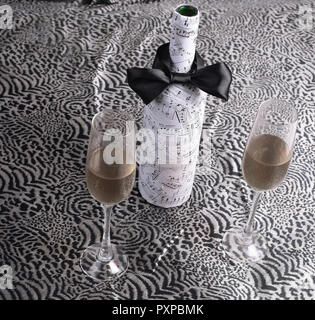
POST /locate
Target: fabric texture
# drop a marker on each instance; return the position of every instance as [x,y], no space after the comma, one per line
[61,63]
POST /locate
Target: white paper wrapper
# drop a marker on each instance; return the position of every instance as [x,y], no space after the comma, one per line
[180,107]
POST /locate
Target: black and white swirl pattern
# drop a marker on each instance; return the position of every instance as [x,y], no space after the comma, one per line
[61,63]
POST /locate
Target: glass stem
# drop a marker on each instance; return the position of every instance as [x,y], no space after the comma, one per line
[105,253]
[249,226]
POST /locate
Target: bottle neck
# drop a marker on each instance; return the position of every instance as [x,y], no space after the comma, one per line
[183,41]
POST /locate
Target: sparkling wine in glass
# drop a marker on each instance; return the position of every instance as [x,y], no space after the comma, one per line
[110,176]
[265,163]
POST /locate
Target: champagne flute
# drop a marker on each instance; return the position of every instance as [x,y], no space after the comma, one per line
[265,163]
[110,176]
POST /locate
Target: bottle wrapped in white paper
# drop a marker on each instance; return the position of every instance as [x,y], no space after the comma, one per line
[177,113]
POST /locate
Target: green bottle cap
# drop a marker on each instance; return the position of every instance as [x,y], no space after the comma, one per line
[187,11]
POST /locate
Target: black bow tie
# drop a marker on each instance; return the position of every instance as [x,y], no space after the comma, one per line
[149,83]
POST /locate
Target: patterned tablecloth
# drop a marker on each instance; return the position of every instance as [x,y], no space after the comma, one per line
[61,62]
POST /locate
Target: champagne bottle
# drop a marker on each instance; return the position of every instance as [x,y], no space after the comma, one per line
[176,118]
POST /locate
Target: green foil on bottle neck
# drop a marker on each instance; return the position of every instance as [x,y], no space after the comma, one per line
[187,11]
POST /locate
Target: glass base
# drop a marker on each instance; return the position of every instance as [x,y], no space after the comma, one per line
[103,270]
[244,247]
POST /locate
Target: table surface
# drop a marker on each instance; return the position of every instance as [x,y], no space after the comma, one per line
[61,63]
